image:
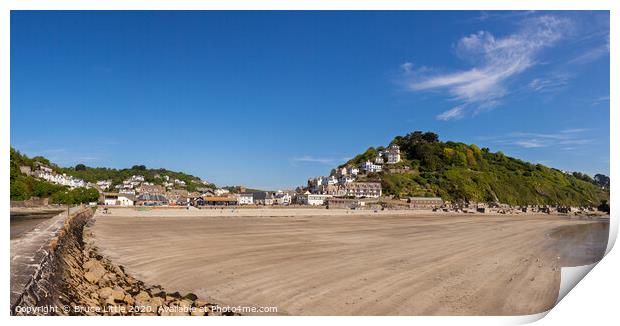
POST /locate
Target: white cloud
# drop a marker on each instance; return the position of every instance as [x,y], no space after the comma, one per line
[452,114]
[494,60]
[592,54]
[530,140]
[600,99]
[320,160]
[549,83]
[406,67]
[532,143]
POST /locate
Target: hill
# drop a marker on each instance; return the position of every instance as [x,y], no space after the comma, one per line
[155,176]
[24,186]
[460,172]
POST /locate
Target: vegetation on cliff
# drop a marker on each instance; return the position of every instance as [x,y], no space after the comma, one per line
[460,172]
[155,176]
[23,186]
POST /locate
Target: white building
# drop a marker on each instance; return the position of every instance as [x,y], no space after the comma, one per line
[220,191]
[361,190]
[245,198]
[353,171]
[315,183]
[346,179]
[330,181]
[282,198]
[316,200]
[313,199]
[342,171]
[116,199]
[379,158]
[371,167]
[60,179]
[393,154]
[104,184]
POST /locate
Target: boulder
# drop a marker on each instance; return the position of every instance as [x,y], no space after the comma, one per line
[105,292]
[128,299]
[95,273]
[110,301]
[118,293]
[143,296]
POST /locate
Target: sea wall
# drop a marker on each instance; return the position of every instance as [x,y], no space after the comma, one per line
[36,280]
[57,270]
[32,202]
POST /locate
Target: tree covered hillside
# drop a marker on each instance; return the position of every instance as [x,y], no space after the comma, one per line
[460,172]
[24,187]
[90,174]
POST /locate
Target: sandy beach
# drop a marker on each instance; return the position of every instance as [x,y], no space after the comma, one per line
[338,262]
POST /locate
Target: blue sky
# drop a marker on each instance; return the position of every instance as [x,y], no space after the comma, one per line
[268,99]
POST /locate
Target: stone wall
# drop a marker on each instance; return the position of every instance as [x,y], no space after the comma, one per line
[32,202]
[58,270]
[35,277]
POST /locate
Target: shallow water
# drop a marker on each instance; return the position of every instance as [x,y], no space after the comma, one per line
[581,244]
[24,222]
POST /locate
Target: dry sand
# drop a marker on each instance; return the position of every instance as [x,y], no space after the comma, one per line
[353,263]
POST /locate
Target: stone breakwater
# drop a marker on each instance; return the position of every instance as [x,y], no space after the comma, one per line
[72,278]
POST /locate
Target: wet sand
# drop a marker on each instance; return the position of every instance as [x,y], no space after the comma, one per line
[388,263]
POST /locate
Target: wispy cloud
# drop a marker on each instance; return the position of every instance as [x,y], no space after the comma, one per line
[494,61]
[453,114]
[550,83]
[320,160]
[532,143]
[559,139]
[600,99]
[592,54]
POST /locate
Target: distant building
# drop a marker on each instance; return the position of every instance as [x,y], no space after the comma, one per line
[315,183]
[263,198]
[425,202]
[316,199]
[220,191]
[353,171]
[308,198]
[151,188]
[148,199]
[282,198]
[379,158]
[329,181]
[347,203]
[370,167]
[104,184]
[219,201]
[393,154]
[361,190]
[125,191]
[116,199]
[346,179]
[245,198]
